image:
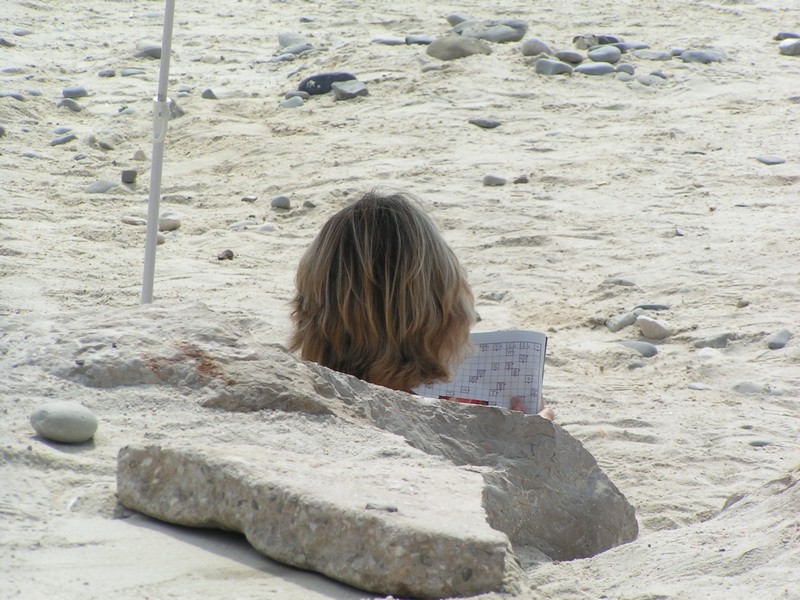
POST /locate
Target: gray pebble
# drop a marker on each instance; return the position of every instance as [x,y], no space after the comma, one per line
[521,179]
[70,104]
[6,43]
[702,56]
[2,131]
[677,51]
[281,202]
[67,422]
[546,66]
[653,55]
[716,341]
[298,49]
[309,204]
[494,180]
[249,199]
[128,176]
[785,35]
[485,123]
[649,80]
[381,506]
[175,111]
[74,92]
[457,18]
[790,47]
[655,307]
[422,40]
[107,73]
[570,56]
[225,255]
[286,57]
[759,443]
[209,94]
[749,387]
[346,90]
[452,47]
[605,54]
[646,349]
[534,46]
[148,50]
[623,76]
[779,340]
[34,93]
[293,102]
[628,46]
[507,30]
[389,41]
[626,68]
[660,74]
[699,387]
[618,281]
[307,19]
[596,68]
[131,72]
[64,140]
[15,95]
[298,94]
[622,321]
[636,364]
[100,187]
[169,221]
[771,160]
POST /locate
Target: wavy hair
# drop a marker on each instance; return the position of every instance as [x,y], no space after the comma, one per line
[381,296]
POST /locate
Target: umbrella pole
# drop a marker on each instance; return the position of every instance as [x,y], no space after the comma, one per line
[160,122]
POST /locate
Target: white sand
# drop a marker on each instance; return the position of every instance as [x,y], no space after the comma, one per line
[614,168]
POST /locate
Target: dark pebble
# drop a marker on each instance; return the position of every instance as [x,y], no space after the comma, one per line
[598,68]
[107,73]
[485,123]
[74,92]
[521,179]
[14,95]
[422,40]
[6,43]
[323,82]
[149,51]
[209,94]
[608,39]
[494,180]
[785,35]
[2,131]
[759,443]
[656,307]
[225,255]
[779,340]
[128,176]
[64,140]
[605,54]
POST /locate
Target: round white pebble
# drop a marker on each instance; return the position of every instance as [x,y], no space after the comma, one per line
[654,329]
[67,422]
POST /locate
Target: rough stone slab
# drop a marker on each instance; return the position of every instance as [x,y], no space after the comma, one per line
[386,526]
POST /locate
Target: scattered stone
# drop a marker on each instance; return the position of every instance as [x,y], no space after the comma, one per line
[2,131]
[243,225]
[507,30]
[287,39]
[644,348]
[452,47]
[704,57]
[627,68]
[677,51]
[298,49]
[622,321]
[771,160]
[64,140]
[787,36]
[16,95]
[389,41]
[636,364]
[297,94]
[623,76]
[659,74]
[628,46]
[655,307]
[618,281]
[720,340]
[66,422]
[70,104]
[309,204]
[654,329]
[749,387]
[100,187]
[698,387]
[225,255]
[521,179]
[74,92]
[140,155]
[22,32]
[605,54]
[653,55]
[175,111]
[36,93]
[790,47]
[609,39]
[494,180]
[422,40]
[347,90]
[584,42]
[293,102]
[266,228]
[307,19]
[285,57]
[742,303]
[107,73]
[457,18]
[168,221]
[148,50]
[596,68]
[209,94]
[485,123]
[759,443]
[649,80]
[535,46]
[323,82]
[128,176]
[7,43]
[546,66]
[281,202]
[160,238]
[779,340]
[570,56]
[131,72]
[138,221]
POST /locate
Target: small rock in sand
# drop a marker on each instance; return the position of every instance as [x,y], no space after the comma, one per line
[452,47]
[494,180]
[148,50]
[570,56]
[137,221]
[281,202]
[485,123]
[771,160]
[209,94]
[596,68]
[622,321]
[654,329]
[644,348]
[347,90]
[225,255]
[107,73]
[421,40]
[534,46]
[168,221]
[293,102]
[790,47]
[628,46]
[704,57]
[785,35]
[322,83]
[64,140]
[546,66]
[716,341]
[288,38]
[128,176]
[626,68]
[779,340]
[67,422]
[74,92]
[605,54]
[100,187]
[70,104]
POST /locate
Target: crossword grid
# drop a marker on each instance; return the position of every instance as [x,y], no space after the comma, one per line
[495,373]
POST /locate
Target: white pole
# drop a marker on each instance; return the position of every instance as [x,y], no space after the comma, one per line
[160,122]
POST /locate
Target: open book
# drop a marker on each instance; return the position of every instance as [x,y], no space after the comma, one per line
[505,368]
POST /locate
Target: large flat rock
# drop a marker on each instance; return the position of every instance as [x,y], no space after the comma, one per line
[393,526]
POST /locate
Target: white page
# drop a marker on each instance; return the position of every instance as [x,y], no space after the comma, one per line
[503,365]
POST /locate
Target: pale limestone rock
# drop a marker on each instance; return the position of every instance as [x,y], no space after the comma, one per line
[654,329]
[407,527]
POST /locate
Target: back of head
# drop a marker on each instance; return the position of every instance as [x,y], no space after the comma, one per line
[381,296]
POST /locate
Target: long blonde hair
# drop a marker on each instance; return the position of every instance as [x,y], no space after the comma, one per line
[381,296]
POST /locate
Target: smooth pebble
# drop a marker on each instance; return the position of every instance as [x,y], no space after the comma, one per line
[534,46]
[626,68]
[596,68]
[421,40]
[771,160]
[168,221]
[704,57]
[749,387]
[494,180]
[622,321]
[570,56]
[485,123]
[138,221]
[74,92]
[288,38]
[281,202]
[644,348]
[546,66]
[67,422]
[654,329]
[779,340]
[64,140]
[790,47]
[209,94]
[100,187]
[293,102]
[605,54]
[452,47]
[128,176]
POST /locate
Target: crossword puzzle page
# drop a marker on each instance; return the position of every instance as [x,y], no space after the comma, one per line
[505,369]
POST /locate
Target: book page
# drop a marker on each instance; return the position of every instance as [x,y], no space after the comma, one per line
[505,369]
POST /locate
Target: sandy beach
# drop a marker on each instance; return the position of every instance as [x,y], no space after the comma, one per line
[647,191]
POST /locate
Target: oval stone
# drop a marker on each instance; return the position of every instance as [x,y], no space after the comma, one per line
[605,54]
[545,66]
[67,422]
[597,68]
